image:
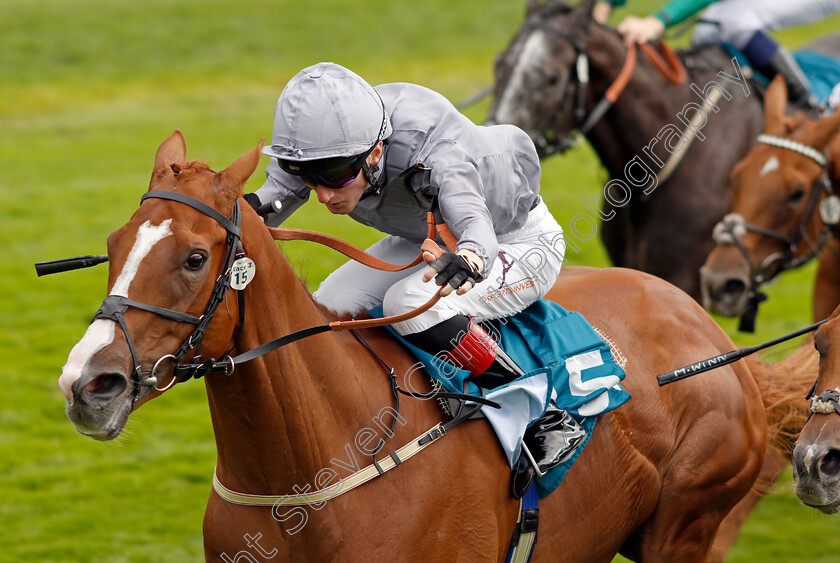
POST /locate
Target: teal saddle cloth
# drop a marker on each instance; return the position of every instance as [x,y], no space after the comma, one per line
[546,340]
[822,71]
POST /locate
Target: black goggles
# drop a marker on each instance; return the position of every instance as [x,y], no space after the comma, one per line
[333,173]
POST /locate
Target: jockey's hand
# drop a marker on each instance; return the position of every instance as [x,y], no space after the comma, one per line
[601,12]
[641,30]
[459,271]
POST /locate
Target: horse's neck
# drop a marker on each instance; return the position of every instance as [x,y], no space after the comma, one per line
[280,418]
[647,104]
[827,282]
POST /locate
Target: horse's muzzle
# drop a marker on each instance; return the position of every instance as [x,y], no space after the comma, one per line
[816,472]
[724,293]
[96,409]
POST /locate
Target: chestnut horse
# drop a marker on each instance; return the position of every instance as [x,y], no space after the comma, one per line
[783,190]
[655,480]
[774,224]
[816,457]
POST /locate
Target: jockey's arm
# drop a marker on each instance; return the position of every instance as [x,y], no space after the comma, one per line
[464,209]
[677,11]
[651,28]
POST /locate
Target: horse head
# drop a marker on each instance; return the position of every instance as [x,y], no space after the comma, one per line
[816,456]
[540,79]
[775,222]
[166,264]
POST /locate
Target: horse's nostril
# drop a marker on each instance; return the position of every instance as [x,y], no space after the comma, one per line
[105,386]
[830,464]
[733,288]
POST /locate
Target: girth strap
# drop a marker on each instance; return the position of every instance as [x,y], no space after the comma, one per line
[525,532]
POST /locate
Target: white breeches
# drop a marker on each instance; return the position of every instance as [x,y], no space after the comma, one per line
[528,264]
[737,20]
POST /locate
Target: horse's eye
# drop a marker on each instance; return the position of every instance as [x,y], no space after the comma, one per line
[796,196]
[195,261]
[553,79]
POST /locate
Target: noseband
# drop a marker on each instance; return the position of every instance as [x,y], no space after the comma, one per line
[733,227]
[114,306]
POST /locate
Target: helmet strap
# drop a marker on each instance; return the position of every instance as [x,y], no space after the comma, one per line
[374,184]
[369,172]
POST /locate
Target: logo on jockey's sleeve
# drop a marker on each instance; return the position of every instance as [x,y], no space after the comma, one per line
[505,287]
[506,266]
[510,288]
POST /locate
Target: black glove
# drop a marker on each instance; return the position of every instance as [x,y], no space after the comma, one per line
[455,270]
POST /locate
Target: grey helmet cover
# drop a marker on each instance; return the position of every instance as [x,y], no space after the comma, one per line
[327,111]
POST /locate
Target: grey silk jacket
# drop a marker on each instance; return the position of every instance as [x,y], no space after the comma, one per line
[487,177]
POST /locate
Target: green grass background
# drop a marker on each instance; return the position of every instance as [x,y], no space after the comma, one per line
[88,89]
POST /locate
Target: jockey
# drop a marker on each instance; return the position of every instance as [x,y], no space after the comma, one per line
[741,23]
[385,156]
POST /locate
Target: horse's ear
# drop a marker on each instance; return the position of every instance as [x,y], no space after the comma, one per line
[775,101]
[826,128]
[583,11]
[531,7]
[233,177]
[170,151]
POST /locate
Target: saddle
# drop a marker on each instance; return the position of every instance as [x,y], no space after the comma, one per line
[564,359]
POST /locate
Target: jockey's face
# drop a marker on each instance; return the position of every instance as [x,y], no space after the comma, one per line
[342,201]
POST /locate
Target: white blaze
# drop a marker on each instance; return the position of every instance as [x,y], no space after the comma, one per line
[769,166]
[534,53]
[101,331]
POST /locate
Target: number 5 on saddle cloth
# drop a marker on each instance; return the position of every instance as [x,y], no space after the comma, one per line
[564,360]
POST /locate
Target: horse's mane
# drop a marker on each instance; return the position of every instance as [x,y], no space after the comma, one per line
[783,387]
[550,9]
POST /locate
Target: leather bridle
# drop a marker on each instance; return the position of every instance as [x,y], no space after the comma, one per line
[730,229]
[114,306]
[549,143]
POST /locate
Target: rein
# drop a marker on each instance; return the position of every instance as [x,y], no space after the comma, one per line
[732,227]
[187,371]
